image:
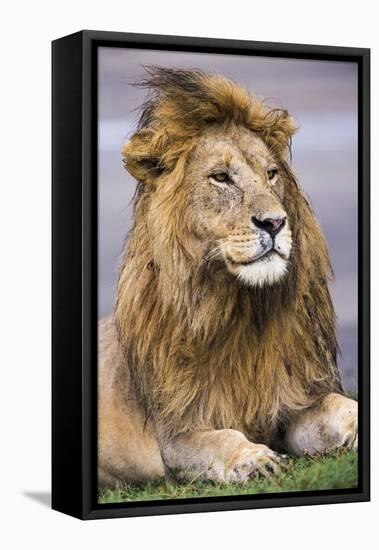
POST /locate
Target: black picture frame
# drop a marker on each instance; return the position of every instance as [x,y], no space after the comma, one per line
[74,316]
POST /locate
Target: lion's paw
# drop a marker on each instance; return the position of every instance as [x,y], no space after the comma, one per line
[346,424]
[254,459]
[328,426]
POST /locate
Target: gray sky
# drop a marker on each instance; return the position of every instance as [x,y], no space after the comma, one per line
[321,95]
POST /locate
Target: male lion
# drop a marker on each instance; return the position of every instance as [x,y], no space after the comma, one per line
[222,351]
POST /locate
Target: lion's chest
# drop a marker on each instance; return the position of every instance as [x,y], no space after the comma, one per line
[243,387]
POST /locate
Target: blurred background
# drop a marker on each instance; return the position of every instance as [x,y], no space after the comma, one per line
[321,95]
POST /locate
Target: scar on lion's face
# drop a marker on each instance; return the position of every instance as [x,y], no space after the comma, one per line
[235,196]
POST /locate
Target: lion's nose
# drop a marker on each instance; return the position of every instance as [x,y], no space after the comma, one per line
[271,225]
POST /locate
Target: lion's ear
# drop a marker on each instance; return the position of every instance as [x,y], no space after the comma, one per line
[141,158]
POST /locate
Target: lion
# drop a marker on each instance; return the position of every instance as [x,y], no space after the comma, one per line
[221,355]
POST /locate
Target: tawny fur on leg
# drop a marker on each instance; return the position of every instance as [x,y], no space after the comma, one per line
[225,456]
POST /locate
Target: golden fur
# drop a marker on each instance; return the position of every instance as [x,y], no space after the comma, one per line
[203,350]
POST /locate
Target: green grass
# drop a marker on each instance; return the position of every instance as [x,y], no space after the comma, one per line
[336,470]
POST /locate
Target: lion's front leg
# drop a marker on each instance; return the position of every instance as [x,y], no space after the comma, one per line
[218,455]
[328,425]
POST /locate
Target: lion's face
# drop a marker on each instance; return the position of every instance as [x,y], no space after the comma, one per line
[235,204]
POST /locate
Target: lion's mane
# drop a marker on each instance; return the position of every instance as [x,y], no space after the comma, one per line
[203,350]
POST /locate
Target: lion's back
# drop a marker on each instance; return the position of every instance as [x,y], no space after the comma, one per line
[110,357]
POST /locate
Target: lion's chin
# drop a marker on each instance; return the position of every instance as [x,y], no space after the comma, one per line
[266,271]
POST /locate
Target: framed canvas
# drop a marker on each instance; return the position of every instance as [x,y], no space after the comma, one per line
[210,275]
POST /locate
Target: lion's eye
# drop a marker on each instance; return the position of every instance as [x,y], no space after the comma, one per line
[271,174]
[221,177]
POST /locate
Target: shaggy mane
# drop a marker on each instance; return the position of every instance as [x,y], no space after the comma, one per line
[203,350]
[182,103]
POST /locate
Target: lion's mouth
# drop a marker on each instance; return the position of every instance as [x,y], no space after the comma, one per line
[264,256]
